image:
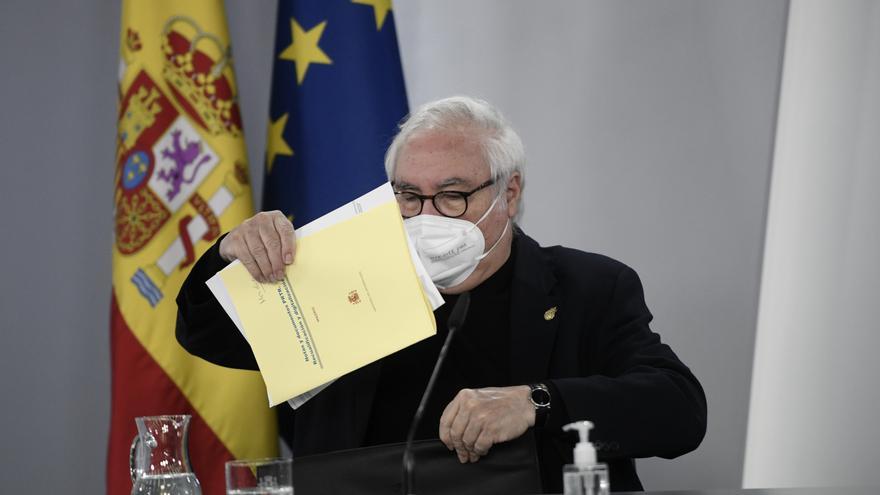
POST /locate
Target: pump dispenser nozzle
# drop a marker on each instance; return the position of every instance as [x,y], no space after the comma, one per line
[584,452]
[585,476]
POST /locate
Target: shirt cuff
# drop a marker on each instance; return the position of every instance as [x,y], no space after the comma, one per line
[558,416]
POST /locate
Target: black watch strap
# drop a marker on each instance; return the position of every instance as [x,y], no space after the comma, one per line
[539,396]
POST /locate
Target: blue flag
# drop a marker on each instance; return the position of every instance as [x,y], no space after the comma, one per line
[337,96]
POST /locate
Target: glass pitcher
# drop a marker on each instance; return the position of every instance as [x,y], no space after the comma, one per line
[159,460]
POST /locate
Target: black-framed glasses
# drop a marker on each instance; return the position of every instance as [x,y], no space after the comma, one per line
[451,204]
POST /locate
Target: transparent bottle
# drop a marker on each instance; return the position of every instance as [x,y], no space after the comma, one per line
[591,480]
[159,460]
[585,476]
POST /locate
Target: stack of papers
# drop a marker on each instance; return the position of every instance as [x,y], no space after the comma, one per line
[355,293]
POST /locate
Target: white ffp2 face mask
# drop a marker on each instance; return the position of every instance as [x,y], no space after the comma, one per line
[450,248]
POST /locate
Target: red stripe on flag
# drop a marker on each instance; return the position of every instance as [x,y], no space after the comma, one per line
[141,388]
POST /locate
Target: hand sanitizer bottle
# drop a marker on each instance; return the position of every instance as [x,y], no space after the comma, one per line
[585,476]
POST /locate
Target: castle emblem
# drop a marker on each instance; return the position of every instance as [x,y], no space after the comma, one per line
[140,114]
[144,115]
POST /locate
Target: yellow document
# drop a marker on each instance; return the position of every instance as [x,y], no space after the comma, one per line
[350,297]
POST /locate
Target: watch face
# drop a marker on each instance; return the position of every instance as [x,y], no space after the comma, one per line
[540,396]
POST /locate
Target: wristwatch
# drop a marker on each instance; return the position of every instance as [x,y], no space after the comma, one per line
[540,398]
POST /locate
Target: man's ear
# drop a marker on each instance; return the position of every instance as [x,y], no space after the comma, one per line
[513,193]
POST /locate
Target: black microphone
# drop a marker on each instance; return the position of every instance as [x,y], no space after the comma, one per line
[456,321]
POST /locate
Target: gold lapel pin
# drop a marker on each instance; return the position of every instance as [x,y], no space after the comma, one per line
[550,313]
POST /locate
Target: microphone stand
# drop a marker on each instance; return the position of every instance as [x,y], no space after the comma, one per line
[456,321]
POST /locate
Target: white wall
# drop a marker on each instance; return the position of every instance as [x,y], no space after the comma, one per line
[648,127]
[815,396]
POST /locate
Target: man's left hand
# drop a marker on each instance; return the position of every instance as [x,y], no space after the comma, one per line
[477,419]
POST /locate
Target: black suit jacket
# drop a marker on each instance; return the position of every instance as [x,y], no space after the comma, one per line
[597,350]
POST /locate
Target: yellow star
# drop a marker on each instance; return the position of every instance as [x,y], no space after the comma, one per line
[380,9]
[276,145]
[304,49]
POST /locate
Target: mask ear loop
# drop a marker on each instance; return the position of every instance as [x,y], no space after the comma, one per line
[489,210]
[506,225]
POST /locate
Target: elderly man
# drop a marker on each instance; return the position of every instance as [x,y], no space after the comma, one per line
[553,334]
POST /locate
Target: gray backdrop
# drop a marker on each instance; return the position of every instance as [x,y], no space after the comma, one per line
[649,132]
[814,399]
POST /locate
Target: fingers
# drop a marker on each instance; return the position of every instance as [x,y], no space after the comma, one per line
[271,241]
[288,241]
[264,244]
[258,251]
[471,432]
[456,433]
[483,443]
[476,419]
[446,422]
[250,263]
[454,424]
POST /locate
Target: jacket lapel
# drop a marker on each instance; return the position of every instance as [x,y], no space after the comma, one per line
[533,312]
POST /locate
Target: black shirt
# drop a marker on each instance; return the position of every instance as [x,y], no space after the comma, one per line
[479,356]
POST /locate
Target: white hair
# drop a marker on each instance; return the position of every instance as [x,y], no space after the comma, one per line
[502,148]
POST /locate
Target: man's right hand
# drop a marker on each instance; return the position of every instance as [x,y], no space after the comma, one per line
[264,243]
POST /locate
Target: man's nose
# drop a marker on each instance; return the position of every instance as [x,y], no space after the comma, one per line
[428,208]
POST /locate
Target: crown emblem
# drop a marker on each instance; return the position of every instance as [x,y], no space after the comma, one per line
[198,69]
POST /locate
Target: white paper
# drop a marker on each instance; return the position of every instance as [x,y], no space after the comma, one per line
[378,196]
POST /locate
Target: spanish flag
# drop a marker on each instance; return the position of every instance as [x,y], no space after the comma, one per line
[181,180]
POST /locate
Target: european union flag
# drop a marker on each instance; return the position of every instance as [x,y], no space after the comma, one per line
[337,96]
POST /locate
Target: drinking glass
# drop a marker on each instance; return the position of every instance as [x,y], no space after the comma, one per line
[259,477]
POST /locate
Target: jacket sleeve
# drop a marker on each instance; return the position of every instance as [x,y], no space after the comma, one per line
[641,398]
[203,327]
